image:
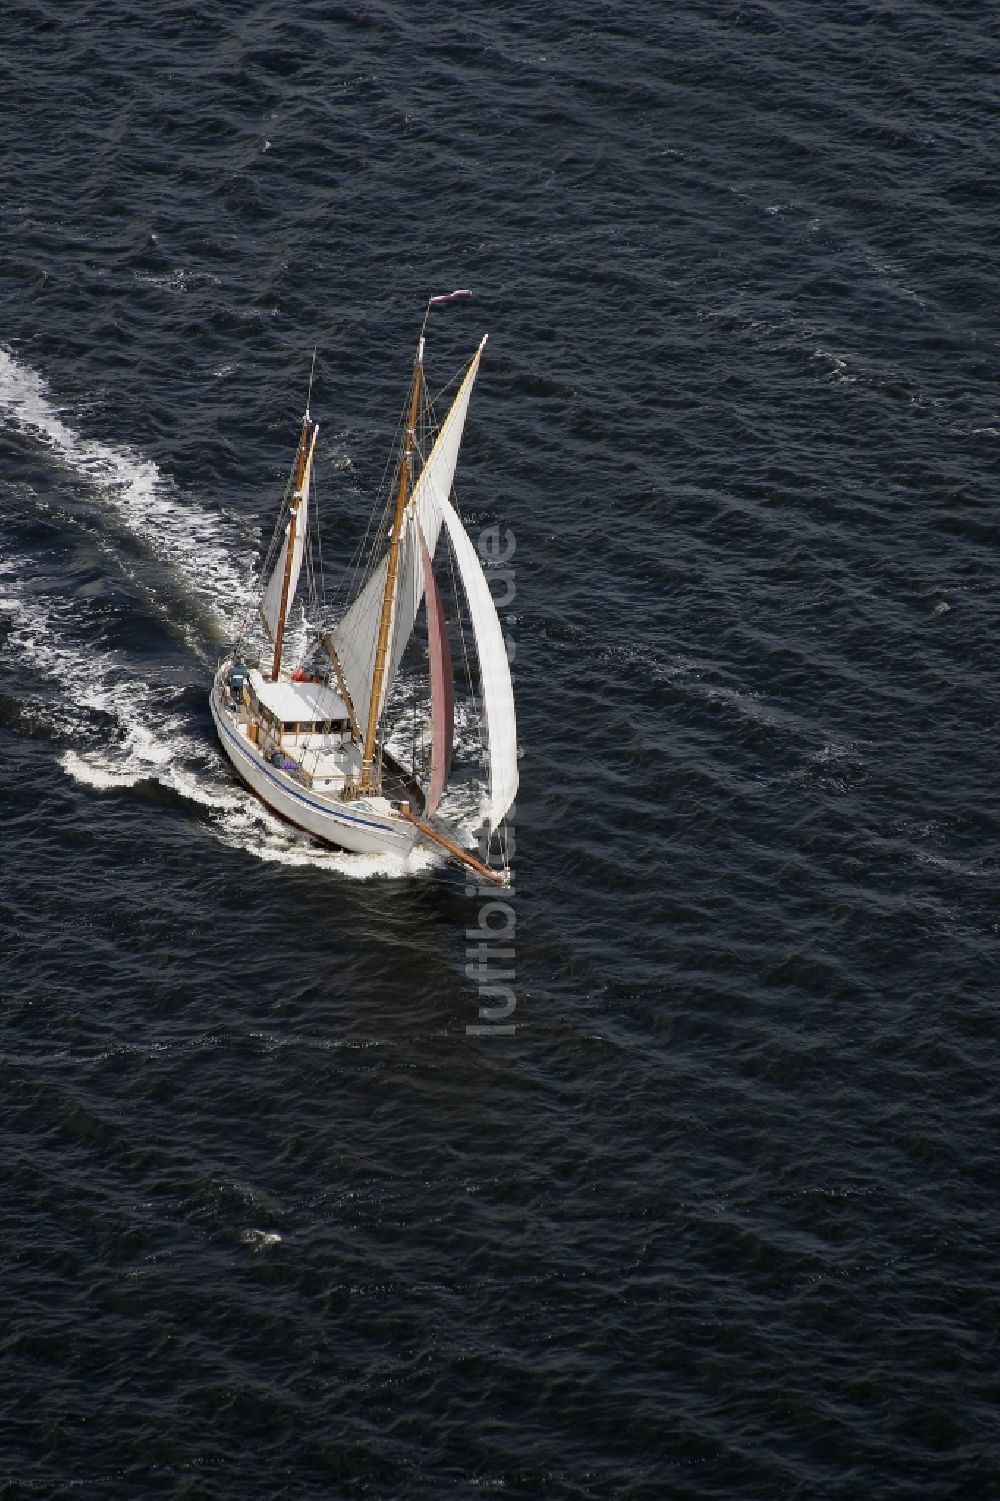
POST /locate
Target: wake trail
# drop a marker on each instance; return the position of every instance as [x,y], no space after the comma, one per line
[190,540]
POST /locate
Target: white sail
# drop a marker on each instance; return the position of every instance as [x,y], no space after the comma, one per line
[354,641]
[270,605]
[494,669]
[356,635]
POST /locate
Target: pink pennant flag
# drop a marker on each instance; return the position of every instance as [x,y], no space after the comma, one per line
[449,297]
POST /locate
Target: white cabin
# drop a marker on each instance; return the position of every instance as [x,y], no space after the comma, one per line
[308,723]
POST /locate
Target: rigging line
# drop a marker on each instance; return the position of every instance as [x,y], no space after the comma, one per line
[314,586]
[348,589]
[383,495]
[453,382]
[428,429]
[365,554]
[312,372]
[316,538]
[428,422]
[377,552]
[363,558]
[340,589]
[310,581]
[308,556]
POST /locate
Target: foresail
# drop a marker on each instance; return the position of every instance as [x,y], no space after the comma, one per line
[494,670]
[442,682]
[270,605]
[356,635]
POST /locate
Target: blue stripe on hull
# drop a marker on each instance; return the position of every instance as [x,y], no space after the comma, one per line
[337,817]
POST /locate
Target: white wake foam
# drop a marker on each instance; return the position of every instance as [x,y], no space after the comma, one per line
[190,540]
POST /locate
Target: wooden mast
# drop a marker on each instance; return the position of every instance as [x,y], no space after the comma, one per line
[300,474]
[382,646]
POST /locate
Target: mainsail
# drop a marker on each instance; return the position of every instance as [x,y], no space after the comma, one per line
[494,669]
[270,605]
[355,636]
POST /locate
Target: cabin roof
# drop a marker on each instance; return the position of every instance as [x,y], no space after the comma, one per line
[294,703]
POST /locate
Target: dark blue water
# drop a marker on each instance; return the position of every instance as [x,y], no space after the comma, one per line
[719,1217]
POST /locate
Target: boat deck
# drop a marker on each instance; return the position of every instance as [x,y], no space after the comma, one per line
[326,764]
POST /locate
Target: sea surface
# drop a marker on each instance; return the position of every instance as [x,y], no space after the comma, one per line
[714,1212]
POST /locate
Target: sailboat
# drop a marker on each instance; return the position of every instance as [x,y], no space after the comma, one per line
[306,726]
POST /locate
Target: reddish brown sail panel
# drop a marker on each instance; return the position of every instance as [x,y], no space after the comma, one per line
[442,682]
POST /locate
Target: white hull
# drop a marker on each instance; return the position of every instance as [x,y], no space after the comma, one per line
[350,827]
